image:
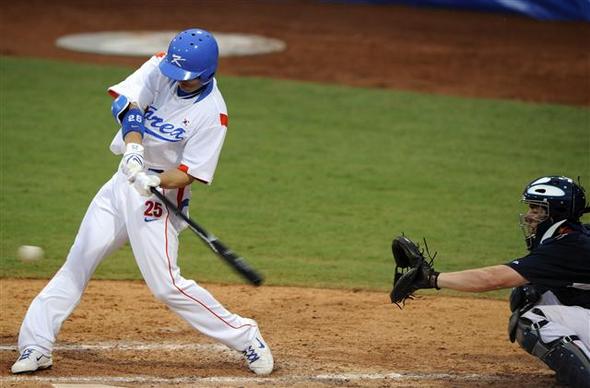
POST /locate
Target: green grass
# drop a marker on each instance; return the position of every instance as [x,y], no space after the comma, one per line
[313,181]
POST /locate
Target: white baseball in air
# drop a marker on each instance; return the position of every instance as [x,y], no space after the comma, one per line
[29,253]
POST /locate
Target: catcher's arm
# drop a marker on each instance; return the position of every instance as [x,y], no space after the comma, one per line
[481,279]
[413,272]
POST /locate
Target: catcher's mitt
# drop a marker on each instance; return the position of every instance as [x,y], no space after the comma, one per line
[412,270]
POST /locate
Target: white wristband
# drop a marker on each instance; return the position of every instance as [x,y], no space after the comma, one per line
[134,147]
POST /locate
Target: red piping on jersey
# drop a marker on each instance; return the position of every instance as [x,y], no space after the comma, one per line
[184,169]
[174,282]
[160,54]
[223,119]
[112,93]
[179,196]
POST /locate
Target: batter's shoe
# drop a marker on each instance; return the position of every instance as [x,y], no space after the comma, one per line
[258,356]
[31,360]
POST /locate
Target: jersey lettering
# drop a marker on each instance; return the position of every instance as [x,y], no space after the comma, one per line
[156,127]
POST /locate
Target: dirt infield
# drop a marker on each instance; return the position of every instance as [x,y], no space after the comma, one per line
[121,336]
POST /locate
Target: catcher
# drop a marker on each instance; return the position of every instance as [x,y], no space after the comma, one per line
[550,300]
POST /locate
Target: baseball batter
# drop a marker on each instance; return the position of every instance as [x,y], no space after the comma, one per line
[550,301]
[173,123]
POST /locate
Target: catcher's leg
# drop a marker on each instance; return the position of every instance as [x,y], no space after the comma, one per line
[555,344]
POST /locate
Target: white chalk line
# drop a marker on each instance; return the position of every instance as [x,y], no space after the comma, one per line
[336,378]
[131,345]
[143,346]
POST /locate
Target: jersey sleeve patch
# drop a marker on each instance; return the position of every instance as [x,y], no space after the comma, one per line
[112,93]
[223,119]
[160,54]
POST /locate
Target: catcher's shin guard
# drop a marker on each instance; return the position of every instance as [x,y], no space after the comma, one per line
[569,362]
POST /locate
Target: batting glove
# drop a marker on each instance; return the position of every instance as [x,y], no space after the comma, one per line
[132,162]
[143,182]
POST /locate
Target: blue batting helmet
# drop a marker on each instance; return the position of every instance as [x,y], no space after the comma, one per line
[191,54]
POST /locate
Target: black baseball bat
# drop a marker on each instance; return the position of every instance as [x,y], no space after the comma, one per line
[238,263]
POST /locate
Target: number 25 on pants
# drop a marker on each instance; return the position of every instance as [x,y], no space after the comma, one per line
[153,211]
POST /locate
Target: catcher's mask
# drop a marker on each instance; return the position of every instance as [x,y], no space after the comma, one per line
[550,199]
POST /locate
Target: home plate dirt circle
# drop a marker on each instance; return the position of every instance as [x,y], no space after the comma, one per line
[146,43]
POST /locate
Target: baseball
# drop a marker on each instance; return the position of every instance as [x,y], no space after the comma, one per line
[29,253]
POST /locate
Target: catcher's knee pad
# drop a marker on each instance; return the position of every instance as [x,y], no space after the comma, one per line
[569,362]
[529,338]
[524,297]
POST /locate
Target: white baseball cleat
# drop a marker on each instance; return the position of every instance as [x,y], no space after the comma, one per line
[258,356]
[31,360]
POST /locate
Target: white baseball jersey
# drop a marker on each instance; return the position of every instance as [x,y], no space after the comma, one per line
[185,133]
[178,132]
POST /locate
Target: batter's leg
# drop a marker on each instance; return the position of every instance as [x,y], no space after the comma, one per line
[154,241]
[102,231]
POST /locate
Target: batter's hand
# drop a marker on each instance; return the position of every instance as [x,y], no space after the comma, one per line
[143,182]
[132,162]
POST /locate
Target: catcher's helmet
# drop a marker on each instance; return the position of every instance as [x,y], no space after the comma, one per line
[560,197]
[191,54]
